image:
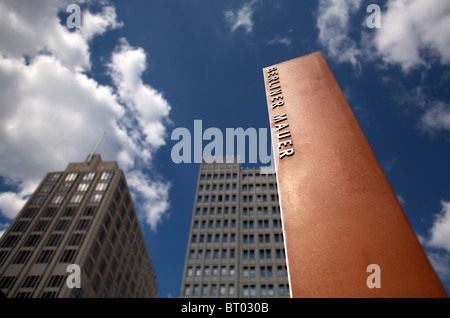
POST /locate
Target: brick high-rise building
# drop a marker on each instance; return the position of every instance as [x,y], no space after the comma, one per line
[235,246]
[84,216]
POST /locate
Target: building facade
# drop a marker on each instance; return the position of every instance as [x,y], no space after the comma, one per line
[235,246]
[83,216]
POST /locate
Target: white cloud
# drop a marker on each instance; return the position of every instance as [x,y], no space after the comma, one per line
[3,228]
[412,27]
[440,263]
[31,27]
[53,113]
[333,22]
[280,40]
[413,34]
[241,17]
[440,231]
[437,243]
[401,200]
[94,24]
[147,105]
[436,117]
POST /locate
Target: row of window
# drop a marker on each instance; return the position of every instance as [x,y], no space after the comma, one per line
[218,176]
[220,198]
[75,199]
[230,253]
[227,176]
[215,224]
[262,224]
[262,238]
[265,290]
[263,254]
[22,257]
[233,186]
[42,225]
[224,271]
[233,197]
[213,271]
[260,210]
[259,198]
[264,271]
[65,187]
[218,238]
[212,254]
[229,290]
[214,187]
[245,211]
[210,290]
[219,210]
[246,238]
[89,176]
[257,187]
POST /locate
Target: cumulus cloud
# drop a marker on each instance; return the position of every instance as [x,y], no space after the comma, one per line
[280,40]
[437,243]
[413,34]
[436,117]
[94,24]
[53,113]
[333,22]
[241,17]
[414,28]
[440,231]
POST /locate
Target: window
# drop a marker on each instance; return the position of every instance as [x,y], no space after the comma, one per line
[106,175]
[55,281]
[96,198]
[89,176]
[76,199]
[82,224]
[50,212]
[83,187]
[53,240]
[71,176]
[68,256]
[96,282]
[41,226]
[89,211]
[38,200]
[22,257]
[20,226]
[7,281]
[31,281]
[10,241]
[53,177]
[30,212]
[101,186]
[49,294]
[69,211]
[57,199]
[75,239]
[32,240]
[62,225]
[47,188]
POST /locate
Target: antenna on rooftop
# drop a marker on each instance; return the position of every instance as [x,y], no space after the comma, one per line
[96,147]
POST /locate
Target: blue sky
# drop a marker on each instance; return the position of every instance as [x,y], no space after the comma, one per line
[140,69]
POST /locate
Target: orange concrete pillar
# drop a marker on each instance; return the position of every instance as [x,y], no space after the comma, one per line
[345,232]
